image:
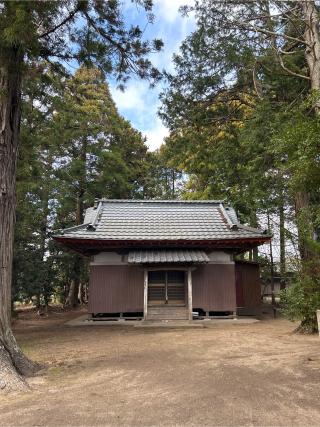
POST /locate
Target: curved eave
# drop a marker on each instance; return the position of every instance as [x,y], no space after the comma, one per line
[89,246]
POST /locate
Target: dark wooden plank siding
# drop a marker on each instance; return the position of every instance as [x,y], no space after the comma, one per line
[115,289]
[248,284]
[213,287]
[216,287]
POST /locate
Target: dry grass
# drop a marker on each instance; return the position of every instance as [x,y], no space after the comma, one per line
[241,375]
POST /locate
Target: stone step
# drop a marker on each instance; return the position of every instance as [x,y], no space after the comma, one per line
[179,319]
[167,313]
[168,316]
[183,315]
[167,310]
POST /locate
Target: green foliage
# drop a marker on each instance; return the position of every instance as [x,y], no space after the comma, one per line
[32,268]
[75,148]
[162,179]
[295,143]
[301,302]
[84,31]
[242,120]
[99,154]
[36,39]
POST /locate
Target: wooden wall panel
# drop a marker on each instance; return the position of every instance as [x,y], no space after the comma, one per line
[213,287]
[248,284]
[115,289]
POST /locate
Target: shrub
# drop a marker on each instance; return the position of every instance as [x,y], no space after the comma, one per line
[302,300]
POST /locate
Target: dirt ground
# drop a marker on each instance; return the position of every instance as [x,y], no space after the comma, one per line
[228,375]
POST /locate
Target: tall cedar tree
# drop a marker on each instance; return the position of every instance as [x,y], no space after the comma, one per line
[50,30]
[35,185]
[98,154]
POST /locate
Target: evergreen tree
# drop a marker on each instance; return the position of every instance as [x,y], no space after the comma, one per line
[35,183]
[162,179]
[242,108]
[91,31]
[98,155]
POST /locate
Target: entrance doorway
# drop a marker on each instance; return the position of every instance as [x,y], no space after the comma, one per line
[166,287]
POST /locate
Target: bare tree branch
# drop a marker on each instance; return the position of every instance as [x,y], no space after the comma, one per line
[286,52]
[293,73]
[271,33]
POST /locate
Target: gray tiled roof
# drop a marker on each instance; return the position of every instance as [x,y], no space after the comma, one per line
[167,256]
[160,220]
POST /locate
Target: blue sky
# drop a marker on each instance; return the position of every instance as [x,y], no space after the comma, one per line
[139,103]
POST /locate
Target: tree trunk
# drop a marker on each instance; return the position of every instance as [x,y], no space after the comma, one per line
[304,222]
[273,300]
[80,208]
[312,55]
[282,246]
[312,50]
[82,293]
[254,223]
[12,360]
[10,380]
[72,298]
[85,293]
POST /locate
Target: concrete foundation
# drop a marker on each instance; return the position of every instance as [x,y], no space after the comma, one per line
[85,320]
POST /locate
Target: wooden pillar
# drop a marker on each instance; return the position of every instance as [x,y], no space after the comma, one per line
[145,295]
[190,293]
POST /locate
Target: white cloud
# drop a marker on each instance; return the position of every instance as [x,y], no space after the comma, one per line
[172,28]
[155,135]
[132,97]
[138,103]
[169,9]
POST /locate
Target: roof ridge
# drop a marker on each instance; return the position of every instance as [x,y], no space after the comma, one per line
[73,228]
[161,201]
[249,228]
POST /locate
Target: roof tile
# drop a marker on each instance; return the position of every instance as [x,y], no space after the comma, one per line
[161,220]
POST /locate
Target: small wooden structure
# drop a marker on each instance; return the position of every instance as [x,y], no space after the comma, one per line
[165,260]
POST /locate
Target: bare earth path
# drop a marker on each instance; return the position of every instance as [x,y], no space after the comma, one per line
[233,375]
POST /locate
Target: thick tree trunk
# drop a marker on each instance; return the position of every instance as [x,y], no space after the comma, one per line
[10,380]
[72,298]
[312,51]
[312,55]
[85,293]
[82,293]
[12,360]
